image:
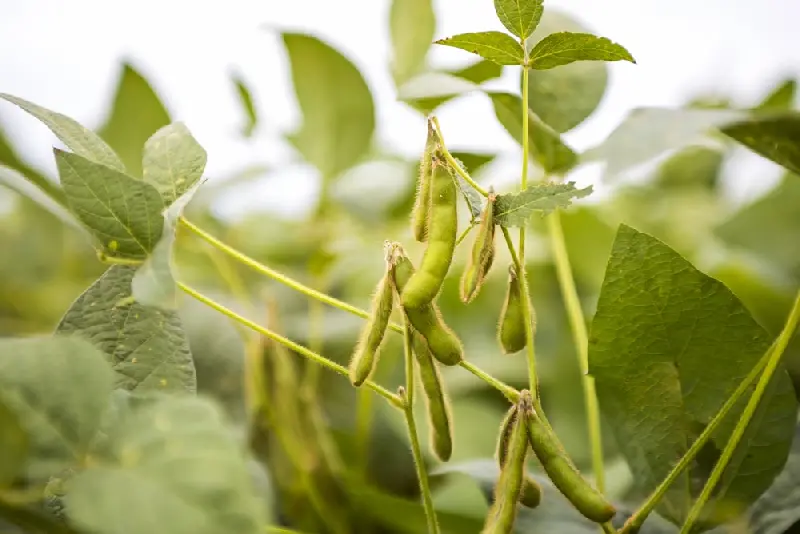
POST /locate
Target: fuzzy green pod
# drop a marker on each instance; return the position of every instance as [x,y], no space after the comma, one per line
[439,418]
[531,494]
[562,472]
[482,256]
[422,202]
[427,319]
[372,334]
[426,282]
[511,327]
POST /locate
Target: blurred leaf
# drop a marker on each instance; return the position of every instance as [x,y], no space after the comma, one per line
[779,507]
[13,443]
[769,227]
[494,46]
[80,140]
[479,72]
[175,467]
[136,114]
[123,213]
[546,146]
[173,161]
[563,48]
[430,90]
[9,158]
[515,209]
[775,137]
[248,106]
[473,161]
[58,389]
[19,183]
[566,96]
[520,17]
[588,240]
[693,166]
[146,346]
[412,24]
[668,346]
[781,98]
[337,106]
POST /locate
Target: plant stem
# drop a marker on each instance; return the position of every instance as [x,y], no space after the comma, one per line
[408,408]
[464,234]
[453,163]
[608,528]
[775,356]
[581,340]
[634,523]
[291,345]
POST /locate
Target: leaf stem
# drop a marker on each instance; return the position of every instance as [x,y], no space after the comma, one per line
[775,356]
[291,345]
[581,340]
[458,168]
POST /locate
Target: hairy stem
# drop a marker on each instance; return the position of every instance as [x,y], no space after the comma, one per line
[774,358]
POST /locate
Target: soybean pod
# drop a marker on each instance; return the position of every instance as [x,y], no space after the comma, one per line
[531,494]
[511,327]
[372,334]
[422,203]
[426,282]
[439,419]
[482,256]
[426,319]
[565,477]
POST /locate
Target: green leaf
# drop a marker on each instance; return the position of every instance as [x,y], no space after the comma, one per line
[520,17]
[13,444]
[9,158]
[781,98]
[768,227]
[136,113]
[546,146]
[58,389]
[248,106]
[494,46]
[123,213]
[337,106]
[515,209]
[430,90]
[80,140]
[779,507]
[563,48]
[146,346]
[479,72]
[19,183]
[173,161]
[668,345]
[775,137]
[694,166]
[175,467]
[566,96]
[412,24]
[473,161]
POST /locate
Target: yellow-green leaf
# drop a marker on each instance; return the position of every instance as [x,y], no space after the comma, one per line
[494,46]
[412,24]
[520,17]
[563,48]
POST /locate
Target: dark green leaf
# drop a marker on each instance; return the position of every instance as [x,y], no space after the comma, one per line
[146,346]
[136,113]
[337,106]
[520,17]
[175,467]
[412,24]
[249,107]
[58,389]
[80,140]
[19,183]
[546,146]
[494,46]
[123,213]
[779,507]
[668,345]
[515,209]
[775,137]
[563,48]
[173,161]
[430,90]
[13,444]
[781,98]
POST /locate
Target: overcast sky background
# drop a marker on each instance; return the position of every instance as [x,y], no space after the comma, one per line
[65,55]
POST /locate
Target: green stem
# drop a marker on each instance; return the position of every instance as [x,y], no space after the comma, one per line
[453,163]
[464,234]
[775,357]
[291,345]
[581,340]
[635,522]
[408,408]
[608,528]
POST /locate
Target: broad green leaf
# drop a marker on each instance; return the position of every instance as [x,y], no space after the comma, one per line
[479,72]
[146,346]
[123,213]
[563,48]
[779,507]
[248,106]
[775,137]
[430,90]
[515,209]
[520,17]
[693,166]
[566,96]
[13,445]
[58,388]
[546,146]
[471,196]
[136,113]
[412,24]
[769,227]
[175,467]
[781,98]
[668,345]
[494,46]
[19,183]
[80,140]
[336,103]
[173,161]
[9,158]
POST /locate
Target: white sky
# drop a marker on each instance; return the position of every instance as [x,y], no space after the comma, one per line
[65,55]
